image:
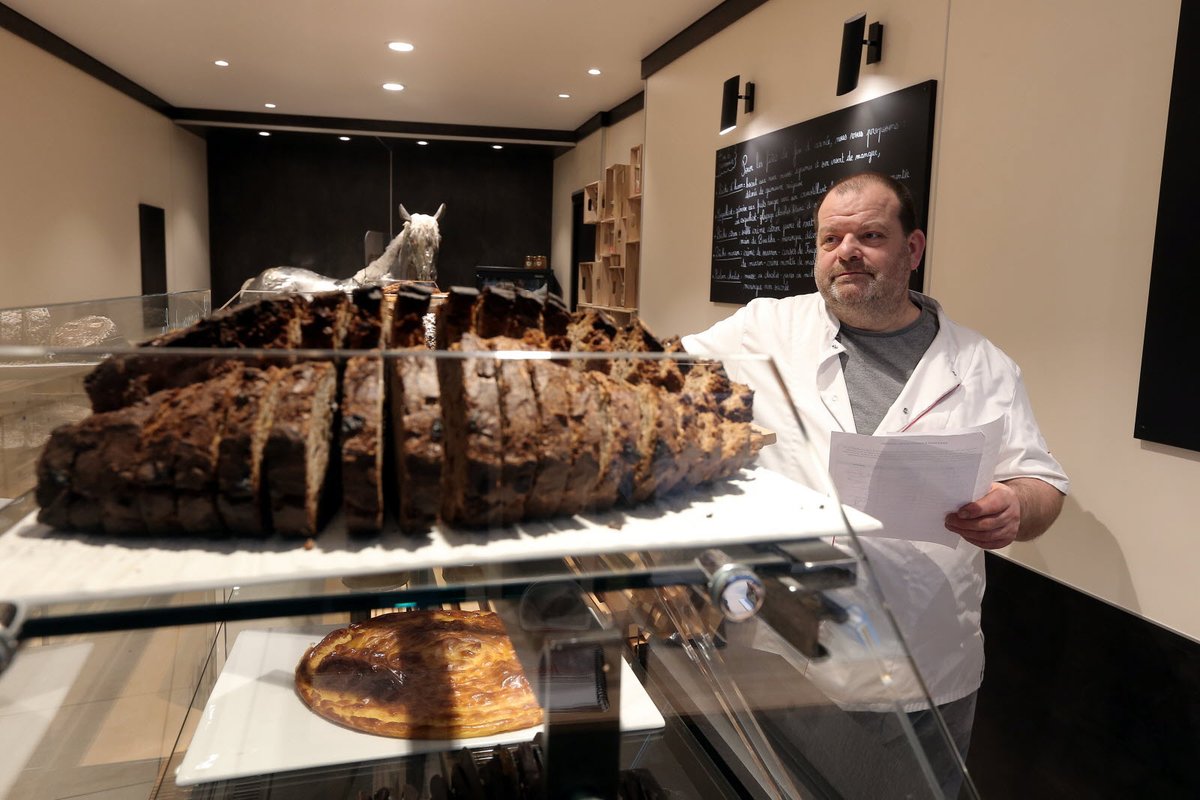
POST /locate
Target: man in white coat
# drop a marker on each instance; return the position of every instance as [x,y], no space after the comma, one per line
[866,355]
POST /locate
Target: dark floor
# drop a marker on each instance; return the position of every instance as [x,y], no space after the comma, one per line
[1081,699]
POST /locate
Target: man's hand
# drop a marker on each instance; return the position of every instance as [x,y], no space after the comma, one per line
[1019,509]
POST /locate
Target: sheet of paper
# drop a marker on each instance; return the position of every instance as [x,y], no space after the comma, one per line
[910,482]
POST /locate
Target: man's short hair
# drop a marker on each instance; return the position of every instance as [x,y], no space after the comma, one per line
[859,181]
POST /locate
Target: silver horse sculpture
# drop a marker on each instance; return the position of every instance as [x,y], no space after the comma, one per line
[412,255]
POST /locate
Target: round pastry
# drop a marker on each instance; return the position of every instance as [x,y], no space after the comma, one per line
[420,675]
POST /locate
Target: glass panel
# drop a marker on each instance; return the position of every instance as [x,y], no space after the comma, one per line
[689,622]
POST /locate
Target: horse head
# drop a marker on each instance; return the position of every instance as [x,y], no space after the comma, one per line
[412,255]
[418,251]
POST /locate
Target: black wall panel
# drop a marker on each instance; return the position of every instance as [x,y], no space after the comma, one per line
[1081,699]
[306,200]
[1170,379]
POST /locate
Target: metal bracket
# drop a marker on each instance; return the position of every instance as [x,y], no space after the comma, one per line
[733,588]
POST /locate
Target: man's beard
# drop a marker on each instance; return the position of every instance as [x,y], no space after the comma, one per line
[878,299]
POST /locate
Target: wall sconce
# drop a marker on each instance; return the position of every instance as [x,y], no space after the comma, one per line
[729,98]
[852,43]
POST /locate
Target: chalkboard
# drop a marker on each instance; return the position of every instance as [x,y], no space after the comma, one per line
[767,188]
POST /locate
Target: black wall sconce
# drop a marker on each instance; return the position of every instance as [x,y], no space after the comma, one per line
[729,98]
[852,44]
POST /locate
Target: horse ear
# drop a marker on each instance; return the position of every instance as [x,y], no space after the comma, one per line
[404,215]
[441,208]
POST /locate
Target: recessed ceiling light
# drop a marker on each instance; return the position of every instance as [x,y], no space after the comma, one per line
[394,87]
[400,47]
[344,138]
[564,95]
[593,71]
[268,105]
[422,141]
[264,133]
[497,147]
[220,62]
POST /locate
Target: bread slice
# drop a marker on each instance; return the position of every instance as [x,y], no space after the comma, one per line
[417,436]
[297,453]
[587,437]
[474,457]
[271,323]
[455,316]
[410,304]
[362,444]
[86,471]
[493,313]
[56,468]
[520,426]
[637,338]
[621,423]
[414,401]
[241,501]
[197,449]
[364,328]
[549,383]
[155,474]
[556,320]
[659,445]
[323,321]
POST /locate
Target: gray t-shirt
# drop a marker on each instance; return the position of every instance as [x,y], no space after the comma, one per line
[877,365]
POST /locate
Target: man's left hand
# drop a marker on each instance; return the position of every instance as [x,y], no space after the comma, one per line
[992,521]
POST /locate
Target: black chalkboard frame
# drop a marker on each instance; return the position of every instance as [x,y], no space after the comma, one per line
[766,188]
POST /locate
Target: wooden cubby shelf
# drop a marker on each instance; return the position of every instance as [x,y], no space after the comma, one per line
[614,206]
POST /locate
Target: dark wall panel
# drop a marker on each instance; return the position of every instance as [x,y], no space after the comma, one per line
[306,200]
[1081,698]
[1170,382]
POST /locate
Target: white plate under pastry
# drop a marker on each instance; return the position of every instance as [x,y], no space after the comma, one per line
[254,724]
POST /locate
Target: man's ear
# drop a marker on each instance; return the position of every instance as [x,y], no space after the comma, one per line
[916,247]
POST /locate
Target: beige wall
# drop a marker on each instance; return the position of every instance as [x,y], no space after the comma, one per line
[1047,157]
[76,158]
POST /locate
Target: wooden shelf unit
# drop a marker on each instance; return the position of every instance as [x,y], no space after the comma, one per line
[614,206]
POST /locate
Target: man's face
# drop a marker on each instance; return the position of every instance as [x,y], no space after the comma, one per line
[863,257]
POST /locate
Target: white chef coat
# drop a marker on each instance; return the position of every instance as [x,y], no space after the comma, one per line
[963,380]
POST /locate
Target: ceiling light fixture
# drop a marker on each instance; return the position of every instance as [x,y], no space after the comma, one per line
[564,95]
[497,147]
[344,138]
[264,133]
[220,62]
[422,141]
[394,87]
[593,71]
[400,47]
[268,105]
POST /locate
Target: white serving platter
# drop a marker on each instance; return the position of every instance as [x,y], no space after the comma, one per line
[254,724]
[42,565]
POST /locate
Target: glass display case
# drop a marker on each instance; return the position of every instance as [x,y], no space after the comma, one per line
[713,635]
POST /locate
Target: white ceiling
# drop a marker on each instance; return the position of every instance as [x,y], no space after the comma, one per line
[476,62]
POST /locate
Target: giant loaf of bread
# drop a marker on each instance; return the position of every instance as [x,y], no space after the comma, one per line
[480,436]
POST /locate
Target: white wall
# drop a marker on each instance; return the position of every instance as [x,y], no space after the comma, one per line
[1048,149]
[76,158]
[1051,155]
